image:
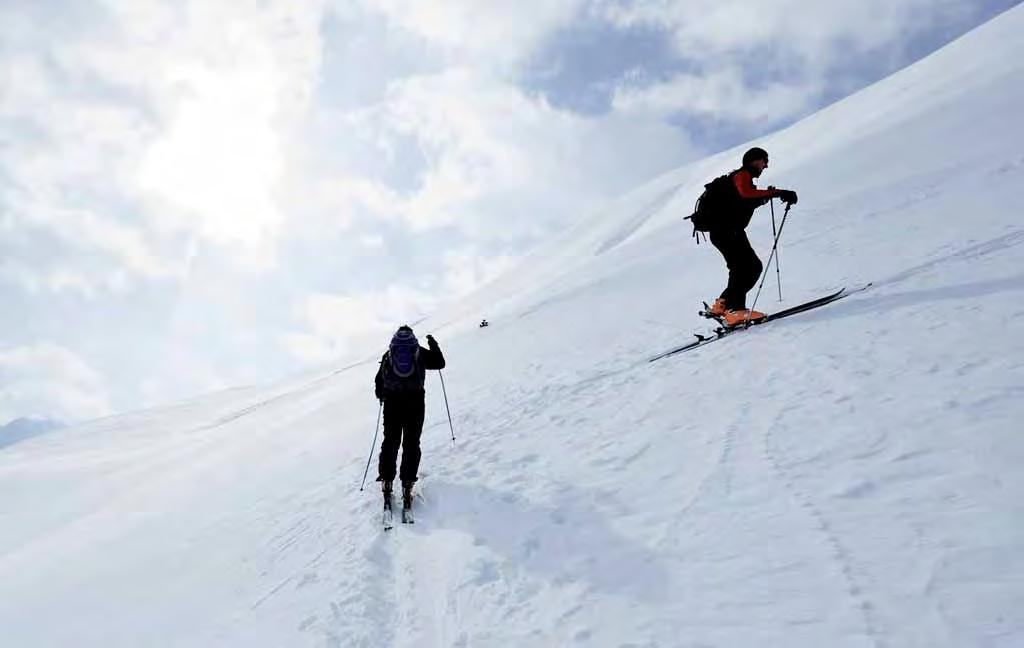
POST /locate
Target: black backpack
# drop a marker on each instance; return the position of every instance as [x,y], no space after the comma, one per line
[715,205]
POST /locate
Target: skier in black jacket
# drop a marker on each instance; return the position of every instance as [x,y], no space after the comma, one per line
[399,386]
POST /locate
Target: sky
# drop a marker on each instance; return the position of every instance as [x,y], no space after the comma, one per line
[197,195]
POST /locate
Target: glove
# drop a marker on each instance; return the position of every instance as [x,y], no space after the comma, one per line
[788,196]
[379,394]
[431,342]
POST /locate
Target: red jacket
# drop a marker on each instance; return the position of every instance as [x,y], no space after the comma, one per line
[750,198]
[745,186]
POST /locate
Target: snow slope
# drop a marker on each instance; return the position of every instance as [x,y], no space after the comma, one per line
[848,477]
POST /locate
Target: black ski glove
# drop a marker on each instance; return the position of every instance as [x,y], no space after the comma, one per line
[788,196]
[432,343]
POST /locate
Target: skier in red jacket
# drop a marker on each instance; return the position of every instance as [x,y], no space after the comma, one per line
[730,238]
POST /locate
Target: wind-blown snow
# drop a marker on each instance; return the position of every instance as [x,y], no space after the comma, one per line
[848,477]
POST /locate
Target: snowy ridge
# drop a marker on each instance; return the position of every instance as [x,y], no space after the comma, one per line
[848,477]
[24,428]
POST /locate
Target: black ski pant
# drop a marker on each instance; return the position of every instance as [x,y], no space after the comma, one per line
[744,266]
[403,424]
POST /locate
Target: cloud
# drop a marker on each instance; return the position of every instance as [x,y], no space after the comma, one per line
[499,163]
[344,325]
[467,269]
[721,95]
[46,380]
[90,251]
[816,33]
[341,325]
[239,85]
[747,68]
[347,325]
[149,127]
[493,34]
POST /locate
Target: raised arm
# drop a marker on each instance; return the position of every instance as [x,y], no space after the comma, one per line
[432,358]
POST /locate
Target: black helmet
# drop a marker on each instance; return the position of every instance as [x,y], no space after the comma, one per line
[755,153]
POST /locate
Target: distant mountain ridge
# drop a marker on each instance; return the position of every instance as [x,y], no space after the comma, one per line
[25,427]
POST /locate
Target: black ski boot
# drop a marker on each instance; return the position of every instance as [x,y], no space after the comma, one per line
[407,502]
[388,513]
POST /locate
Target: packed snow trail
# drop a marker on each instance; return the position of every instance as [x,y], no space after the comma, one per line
[849,477]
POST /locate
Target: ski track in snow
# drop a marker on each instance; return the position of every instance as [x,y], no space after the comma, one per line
[743,457]
[838,551]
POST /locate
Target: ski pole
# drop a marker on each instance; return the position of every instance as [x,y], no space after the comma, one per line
[445,392]
[775,245]
[778,275]
[372,447]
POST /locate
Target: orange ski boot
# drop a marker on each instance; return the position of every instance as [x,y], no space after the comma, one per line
[717,309]
[739,317]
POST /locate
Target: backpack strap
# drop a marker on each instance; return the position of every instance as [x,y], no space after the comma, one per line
[696,233]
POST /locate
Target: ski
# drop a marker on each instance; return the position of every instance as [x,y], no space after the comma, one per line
[723,331]
[699,342]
